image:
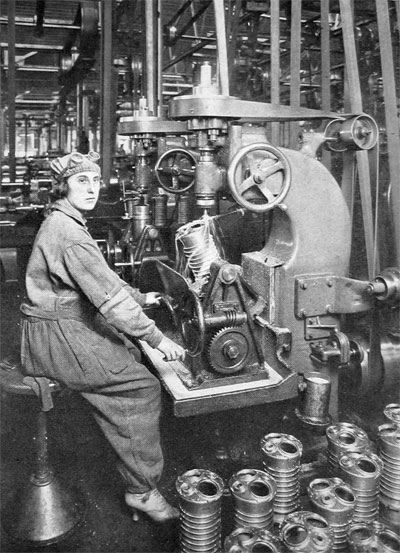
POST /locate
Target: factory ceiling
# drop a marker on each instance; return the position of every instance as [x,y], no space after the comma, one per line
[57,44]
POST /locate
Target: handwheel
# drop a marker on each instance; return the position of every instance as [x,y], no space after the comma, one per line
[175,170]
[192,324]
[268,179]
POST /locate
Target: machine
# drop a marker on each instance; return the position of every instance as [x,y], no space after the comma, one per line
[250,245]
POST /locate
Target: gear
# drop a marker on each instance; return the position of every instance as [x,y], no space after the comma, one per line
[228,350]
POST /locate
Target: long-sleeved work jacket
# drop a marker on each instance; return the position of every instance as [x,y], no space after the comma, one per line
[78,307]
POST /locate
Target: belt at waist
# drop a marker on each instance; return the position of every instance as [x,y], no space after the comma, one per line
[76,311]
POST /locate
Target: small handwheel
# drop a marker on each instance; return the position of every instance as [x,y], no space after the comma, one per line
[192,324]
[175,170]
[268,177]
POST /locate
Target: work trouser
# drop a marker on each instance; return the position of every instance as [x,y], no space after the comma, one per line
[92,358]
[128,414]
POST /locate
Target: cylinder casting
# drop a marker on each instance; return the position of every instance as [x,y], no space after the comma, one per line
[392,413]
[335,501]
[344,437]
[253,492]
[372,538]
[251,540]
[389,452]
[306,532]
[200,492]
[281,460]
[362,471]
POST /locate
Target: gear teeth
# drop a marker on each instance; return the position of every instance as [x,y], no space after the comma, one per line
[220,368]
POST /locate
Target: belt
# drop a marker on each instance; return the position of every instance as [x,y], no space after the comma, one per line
[74,311]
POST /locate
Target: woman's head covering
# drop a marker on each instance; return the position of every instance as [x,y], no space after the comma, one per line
[68,165]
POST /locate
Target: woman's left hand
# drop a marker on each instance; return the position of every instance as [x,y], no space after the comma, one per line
[153,299]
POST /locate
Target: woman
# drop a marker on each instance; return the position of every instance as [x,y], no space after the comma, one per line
[73,331]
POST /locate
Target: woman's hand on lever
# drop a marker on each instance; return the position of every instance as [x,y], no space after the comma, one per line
[171,350]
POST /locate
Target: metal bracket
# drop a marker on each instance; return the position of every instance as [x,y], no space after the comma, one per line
[327,294]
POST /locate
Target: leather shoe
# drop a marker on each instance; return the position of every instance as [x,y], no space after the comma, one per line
[151,503]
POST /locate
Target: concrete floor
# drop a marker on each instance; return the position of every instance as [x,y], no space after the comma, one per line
[223,442]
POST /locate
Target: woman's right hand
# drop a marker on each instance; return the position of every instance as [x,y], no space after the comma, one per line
[171,350]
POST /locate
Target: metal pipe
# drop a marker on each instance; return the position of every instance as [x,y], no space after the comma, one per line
[106,122]
[151,57]
[222,49]
[11,90]
[159,60]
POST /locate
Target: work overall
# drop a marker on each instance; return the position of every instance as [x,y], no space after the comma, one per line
[73,331]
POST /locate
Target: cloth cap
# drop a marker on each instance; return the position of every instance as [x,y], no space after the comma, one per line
[74,163]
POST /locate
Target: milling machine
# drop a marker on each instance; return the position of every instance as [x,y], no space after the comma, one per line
[256,283]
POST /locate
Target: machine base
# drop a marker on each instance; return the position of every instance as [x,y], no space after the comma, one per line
[207,400]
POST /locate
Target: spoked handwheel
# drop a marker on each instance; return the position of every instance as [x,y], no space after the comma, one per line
[175,170]
[192,323]
[267,177]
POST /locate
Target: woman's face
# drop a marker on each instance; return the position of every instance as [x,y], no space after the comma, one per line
[83,190]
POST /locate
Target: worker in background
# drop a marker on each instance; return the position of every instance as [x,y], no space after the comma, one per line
[75,328]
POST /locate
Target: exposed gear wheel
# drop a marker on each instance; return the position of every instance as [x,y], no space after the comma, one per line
[228,350]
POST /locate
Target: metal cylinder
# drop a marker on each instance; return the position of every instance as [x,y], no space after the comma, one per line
[362,471]
[335,501]
[199,248]
[200,492]
[344,437]
[141,218]
[306,532]
[160,210]
[372,538]
[252,540]
[315,390]
[183,209]
[281,460]
[253,493]
[389,452]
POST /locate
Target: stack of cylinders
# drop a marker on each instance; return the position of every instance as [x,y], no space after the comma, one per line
[200,492]
[252,540]
[281,460]
[372,538]
[335,501]
[362,471]
[306,532]
[389,452]
[160,210]
[184,210]
[344,437]
[253,492]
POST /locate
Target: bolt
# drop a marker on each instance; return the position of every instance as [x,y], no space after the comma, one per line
[303,285]
[329,309]
[303,313]
[329,282]
[231,351]
[228,274]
